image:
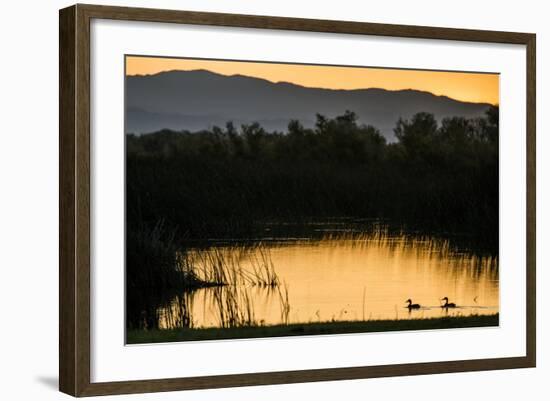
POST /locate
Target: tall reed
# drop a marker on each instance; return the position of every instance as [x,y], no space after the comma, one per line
[233,265]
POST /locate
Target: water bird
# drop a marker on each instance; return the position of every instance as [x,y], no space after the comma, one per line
[447,303]
[411,305]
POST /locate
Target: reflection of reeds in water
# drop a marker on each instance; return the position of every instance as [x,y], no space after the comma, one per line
[284,303]
[234,306]
[178,312]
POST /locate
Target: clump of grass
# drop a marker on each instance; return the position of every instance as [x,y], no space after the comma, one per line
[211,266]
[155,271]
[159,270]
[263,269]
[233,302]
[217,266]
[226,266]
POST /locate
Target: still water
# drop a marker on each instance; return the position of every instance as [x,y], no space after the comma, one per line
[343,277]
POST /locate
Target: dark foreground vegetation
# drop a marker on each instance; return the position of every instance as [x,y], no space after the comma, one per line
[338,327]
[221,182]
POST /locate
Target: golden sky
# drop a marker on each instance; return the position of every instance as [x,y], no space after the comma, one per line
[470,87]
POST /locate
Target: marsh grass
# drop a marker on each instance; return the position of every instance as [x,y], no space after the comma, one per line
[263,270]
[161,277]
[225,265]
[155,260]
[234,302]
[234,305]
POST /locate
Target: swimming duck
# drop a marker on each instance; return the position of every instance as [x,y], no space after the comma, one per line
[447,304]
[411,305]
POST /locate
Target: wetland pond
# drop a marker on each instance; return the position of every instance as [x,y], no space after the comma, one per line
[333,274]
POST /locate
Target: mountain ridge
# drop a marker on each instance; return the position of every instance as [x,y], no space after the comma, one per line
[198,99]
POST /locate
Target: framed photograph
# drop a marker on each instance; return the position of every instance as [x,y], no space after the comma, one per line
[250,200]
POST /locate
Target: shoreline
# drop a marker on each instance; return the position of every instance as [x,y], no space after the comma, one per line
[307,329]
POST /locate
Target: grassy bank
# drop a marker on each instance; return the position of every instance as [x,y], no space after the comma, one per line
[157,336]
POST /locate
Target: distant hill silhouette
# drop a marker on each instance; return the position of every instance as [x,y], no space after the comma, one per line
[199,99]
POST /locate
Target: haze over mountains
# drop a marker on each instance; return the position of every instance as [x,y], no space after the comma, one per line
[200,99]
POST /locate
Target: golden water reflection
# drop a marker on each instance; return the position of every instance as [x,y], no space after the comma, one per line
[351,278]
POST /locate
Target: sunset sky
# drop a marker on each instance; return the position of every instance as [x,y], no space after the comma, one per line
[470,87]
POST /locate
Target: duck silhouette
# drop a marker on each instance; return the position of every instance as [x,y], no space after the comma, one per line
[447,304]
[411,305]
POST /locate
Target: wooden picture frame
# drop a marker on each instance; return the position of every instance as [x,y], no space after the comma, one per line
[74,204]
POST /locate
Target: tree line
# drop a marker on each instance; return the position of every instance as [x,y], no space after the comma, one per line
[224,181]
